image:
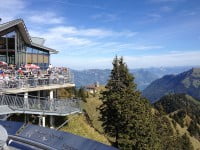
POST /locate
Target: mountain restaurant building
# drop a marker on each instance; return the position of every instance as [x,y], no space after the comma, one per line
[18,47]
[32,93]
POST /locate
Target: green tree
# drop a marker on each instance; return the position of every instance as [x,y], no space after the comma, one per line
[125,114]
[81,93]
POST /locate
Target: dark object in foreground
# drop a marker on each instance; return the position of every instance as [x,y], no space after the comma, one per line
[35,137]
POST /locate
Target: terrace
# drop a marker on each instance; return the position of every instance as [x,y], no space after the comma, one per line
[29,80]
[15,86]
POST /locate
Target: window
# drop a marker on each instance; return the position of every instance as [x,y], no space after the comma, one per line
[29,50]
[3,42]
[11,40]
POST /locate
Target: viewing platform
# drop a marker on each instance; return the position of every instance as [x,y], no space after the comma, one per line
[10,104]
[15,84]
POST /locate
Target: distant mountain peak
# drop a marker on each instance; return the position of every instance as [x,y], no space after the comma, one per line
[187,82]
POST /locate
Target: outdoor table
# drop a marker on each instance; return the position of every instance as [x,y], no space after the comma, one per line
[46,75]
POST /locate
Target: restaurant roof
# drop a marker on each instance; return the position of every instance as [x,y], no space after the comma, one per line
[27,38]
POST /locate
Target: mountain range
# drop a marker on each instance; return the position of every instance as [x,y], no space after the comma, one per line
[143,76]
[187,82]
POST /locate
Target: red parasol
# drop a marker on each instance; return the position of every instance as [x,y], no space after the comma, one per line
[31,66]
[2,63]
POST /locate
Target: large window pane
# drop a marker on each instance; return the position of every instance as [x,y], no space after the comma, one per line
[29,50]
[11,40]
[3,42]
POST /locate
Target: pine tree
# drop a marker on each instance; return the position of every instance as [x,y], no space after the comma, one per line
[125,114]
[82,94]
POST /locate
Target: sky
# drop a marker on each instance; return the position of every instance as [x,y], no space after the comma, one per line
[90,33]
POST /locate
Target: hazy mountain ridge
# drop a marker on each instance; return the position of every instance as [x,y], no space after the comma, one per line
[187,82]
[143,77]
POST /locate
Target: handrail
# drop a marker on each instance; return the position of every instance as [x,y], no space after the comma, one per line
[32,104]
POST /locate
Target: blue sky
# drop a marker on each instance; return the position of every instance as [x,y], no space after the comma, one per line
[89,33]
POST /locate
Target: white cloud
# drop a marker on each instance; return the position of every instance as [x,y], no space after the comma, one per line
[147,47]
[46,18]
[82,41]
[10,9]
[189,58]
[162,60]
[109,47]
[71,30]
[66,2]
[77,41]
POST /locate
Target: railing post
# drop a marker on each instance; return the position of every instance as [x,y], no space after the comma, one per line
[43,121]
[26,104]
[3,97]
[52,104]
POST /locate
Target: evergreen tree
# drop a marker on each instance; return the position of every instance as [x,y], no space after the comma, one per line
[125,114]
[82,93]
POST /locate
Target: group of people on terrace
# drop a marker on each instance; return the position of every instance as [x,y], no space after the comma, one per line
[30,72]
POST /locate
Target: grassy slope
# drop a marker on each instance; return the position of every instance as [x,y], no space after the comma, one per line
[89,127]
[91,109]
[78,125]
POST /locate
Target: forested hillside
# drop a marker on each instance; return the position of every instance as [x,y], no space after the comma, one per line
[183,111]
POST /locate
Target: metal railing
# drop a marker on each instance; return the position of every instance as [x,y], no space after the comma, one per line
[44,105]
[33,82]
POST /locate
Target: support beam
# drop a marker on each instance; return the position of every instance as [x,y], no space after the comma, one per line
[52,108]
[26,118]
[51,99]
[26,105]
[40,120]
[38,94]
[43,121]
[52,122]
[51,95]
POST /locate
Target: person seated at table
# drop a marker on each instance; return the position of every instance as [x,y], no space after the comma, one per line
[1,76]
[31,72]
[38,73]
[6,78]
[49,71]
[20,72]
[1,71]
[50,66]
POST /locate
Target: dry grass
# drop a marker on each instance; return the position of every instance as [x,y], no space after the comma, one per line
[78,125]
[89,127]
[93,113]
